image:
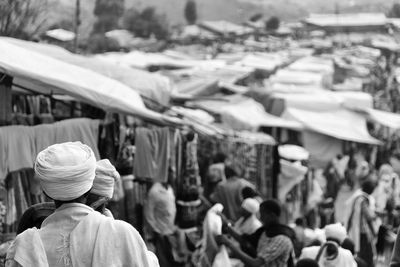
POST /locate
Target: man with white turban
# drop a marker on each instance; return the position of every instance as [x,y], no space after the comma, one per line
[103,187]
[75,235]
[248,223]
[332,254]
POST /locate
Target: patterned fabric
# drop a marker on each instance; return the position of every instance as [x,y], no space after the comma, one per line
[275,251]
[189,182]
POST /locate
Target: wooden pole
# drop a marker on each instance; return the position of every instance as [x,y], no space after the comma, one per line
[5,99]
[76,25]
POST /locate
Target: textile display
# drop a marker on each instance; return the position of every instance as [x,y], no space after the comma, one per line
[19,145]
[23,190]
[152,146]
[189,182]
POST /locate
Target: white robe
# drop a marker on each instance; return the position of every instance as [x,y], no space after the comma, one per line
[76,235]
[344,258]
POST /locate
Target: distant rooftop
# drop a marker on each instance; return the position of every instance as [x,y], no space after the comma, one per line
[225,27]
[350,20]
[61,35]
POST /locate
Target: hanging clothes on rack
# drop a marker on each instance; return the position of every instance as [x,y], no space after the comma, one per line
[152,154]
[19,145]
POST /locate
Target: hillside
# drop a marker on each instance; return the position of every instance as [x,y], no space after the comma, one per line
[232,10]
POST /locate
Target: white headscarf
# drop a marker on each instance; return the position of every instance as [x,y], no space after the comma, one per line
[66,171]
[251,205]
[336,231]
[106,175]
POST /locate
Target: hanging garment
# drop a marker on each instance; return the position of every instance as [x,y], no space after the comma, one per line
[152,154]
[17,149]
[189,182]
[19,145]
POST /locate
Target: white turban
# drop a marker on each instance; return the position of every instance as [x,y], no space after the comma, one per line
[336,231]
[106,175]
[251,205]
[66,171]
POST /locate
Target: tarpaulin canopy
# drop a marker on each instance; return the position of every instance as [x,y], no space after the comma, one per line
[223,27]
[141,60]
[51,76]
[287,76]
[242,113]
[263,61]
[388,119]
[152,86]
[341,124]
[313,64]
[321,100]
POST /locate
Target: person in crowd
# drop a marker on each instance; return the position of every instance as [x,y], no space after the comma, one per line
[215,174]
[75,235]
[331,253]
[360,223]
[103,187]
[248,223]
[160,213]
[35,215]
[349,245]
[299,229]
[307,263]
[274,245]
[230,192]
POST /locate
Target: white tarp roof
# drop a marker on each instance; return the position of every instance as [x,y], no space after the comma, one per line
[48,75]
[141,60]
[341,124]
[388,119]
[242,113]
[322,100]
[61,35]
[352,19]
[152,86]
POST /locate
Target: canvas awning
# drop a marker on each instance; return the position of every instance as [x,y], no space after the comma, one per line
[242,113]
[47,75]
[340,123]
[152,86]
[388,119]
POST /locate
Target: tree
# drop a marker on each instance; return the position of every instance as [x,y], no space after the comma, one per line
[22,18]
[146,23]
[272,24]
[99,43]
[191,12]
[256,17]
[395,11]
[108,13]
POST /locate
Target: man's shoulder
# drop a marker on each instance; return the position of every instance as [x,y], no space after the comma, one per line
[118,225]
[279,239]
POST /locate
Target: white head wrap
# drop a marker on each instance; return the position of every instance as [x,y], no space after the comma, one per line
[106,175]
[66,171]
[336,231]
[251,205]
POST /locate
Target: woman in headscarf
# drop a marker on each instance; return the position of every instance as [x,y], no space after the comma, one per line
[248,223]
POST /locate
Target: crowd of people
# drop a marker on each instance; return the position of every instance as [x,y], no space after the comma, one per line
[240,228]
